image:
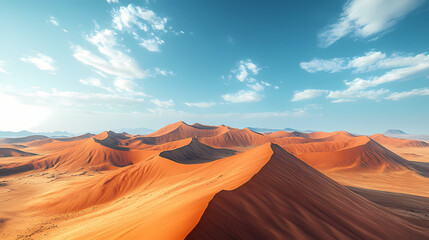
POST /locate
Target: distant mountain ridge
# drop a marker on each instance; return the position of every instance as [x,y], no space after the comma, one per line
[25,133]
[394,131]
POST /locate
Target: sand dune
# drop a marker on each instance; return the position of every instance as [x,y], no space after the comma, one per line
[368,156]
[397,142]
[196,152]
[11,152]
[236,138]
[222,182]
[287,199]
[22,139]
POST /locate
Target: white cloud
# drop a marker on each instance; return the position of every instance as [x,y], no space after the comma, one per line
[371,61]
[245,69]
[307,94]
[95,82]
[343,100]
[20,116]
[342,96]
[316,65]
[364,18]
[53,21]
[125,18]
[367,61]
[2,70]
[256,87]
[163,72]
[242,96]
[91,82]
[152,44]
[390,76]
[114,61]
[415,92]
[163,104]
[70,98]
[112,1]
[125,84]
[200,104]
[41,61]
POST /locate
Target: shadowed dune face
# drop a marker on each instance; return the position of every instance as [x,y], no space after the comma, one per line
[222,182]
[196,152]
[11,152]
[288,199]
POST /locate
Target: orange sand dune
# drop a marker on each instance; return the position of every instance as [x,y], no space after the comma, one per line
[11,152]
[397,142]
[282,134]
[21,139]
[68,139]
[321,145]
[368,156]
[181,130]
[196,152]
[88,154]
[153,199]
[337,135]
[287,199]
[236,138]
[158,186]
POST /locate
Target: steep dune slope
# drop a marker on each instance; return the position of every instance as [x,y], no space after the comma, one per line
[153,199]
[368,156]
[196,152]
[288,199]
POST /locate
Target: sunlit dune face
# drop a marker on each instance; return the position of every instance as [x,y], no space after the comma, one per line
[201,182]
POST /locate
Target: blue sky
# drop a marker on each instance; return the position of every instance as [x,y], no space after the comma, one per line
[360,65]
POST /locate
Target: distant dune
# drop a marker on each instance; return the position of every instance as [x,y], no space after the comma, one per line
[398,142]
[11,152]
[197,181]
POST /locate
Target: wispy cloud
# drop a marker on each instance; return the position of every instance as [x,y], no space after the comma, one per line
[72,98]
[308,94]
[96,83]
[399,66]
[114,61]
[135,18]
[163,72]
[371,61]
[152,44]
[411,93]
[53,21]
[125,18]
[242,96]
[364,18]
[245,70]
[163,104]
[200,104]
[41,61]
[2,64]
[112,1]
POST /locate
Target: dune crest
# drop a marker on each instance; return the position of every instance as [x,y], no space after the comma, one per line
[289,199]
